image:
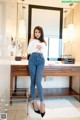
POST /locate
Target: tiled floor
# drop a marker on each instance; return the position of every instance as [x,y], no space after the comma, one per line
[18,110]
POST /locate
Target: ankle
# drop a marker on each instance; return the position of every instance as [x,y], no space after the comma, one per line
[34,101]
[42,107]
[42,103]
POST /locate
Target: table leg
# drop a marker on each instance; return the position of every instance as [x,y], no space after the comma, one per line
[79,88]
[15,83]
[11,88]
[70,82]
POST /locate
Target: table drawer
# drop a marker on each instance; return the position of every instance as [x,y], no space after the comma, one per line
[53,69]
[19,68]
[71,69]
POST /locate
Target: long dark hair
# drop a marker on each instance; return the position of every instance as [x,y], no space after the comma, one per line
[41,39]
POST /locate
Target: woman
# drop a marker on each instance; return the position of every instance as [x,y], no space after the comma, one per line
[36,50]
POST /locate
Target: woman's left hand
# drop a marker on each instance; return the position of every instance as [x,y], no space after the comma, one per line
[39,47]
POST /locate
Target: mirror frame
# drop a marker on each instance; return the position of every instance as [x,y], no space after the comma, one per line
[30,8]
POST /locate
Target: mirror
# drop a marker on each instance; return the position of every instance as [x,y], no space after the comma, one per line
[51,20]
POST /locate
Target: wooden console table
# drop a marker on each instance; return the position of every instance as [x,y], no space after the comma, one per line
[55,70]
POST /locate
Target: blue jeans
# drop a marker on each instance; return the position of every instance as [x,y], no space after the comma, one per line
[36,68]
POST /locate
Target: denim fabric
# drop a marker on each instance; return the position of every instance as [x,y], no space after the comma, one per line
[36,68]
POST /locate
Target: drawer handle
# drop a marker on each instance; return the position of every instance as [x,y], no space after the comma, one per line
[69,70]
[23,69]
[55,69]
[72,69]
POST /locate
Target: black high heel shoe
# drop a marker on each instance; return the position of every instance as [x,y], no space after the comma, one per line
[37,111]
[42,114]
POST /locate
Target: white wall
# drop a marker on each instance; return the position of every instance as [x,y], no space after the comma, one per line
[11,19]
[4,74]
[2,28]
[51,82]
[4,63]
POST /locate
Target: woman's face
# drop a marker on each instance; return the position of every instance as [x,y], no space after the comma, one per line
[37,33]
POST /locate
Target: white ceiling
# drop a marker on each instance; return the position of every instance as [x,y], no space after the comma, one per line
[54,3]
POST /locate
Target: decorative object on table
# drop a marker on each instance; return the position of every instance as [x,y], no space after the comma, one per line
[18,58]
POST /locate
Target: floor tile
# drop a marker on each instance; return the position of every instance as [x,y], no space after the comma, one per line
[21,113]
[20,118]
[10,117]
[12,112]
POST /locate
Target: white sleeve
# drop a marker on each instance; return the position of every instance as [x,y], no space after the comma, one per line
[45,54]
[29,49]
